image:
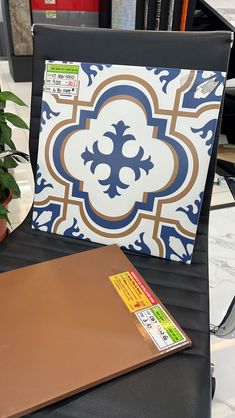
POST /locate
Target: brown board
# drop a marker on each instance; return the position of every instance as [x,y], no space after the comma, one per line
[74,322]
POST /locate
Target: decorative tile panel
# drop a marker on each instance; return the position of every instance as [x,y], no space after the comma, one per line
[124,153]
[20,18]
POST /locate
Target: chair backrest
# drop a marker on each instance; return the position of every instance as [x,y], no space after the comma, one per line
[189,50]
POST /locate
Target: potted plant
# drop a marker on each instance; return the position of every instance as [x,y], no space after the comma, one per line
[8,157]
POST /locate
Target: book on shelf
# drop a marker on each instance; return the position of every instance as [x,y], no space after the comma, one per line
[148,14]
[164,14]
[105,7]
[184,13]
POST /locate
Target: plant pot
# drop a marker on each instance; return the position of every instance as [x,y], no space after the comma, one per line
[3,224]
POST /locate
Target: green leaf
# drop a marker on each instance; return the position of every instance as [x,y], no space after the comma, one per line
[8,162]
[5,137]
[7,181]
[3,194]
[10,143]
[3,213]
[7,95]
[2,104]
[15,120]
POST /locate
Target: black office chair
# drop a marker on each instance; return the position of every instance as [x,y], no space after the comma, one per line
[228,125]
[180,385]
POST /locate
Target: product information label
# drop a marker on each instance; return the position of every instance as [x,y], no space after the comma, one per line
[133,291]
[160,327]
[62,79]
[50,1]
[51,14]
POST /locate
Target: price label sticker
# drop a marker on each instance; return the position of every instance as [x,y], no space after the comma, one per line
[133,290]
[51,14]
[62,79]
[160,327]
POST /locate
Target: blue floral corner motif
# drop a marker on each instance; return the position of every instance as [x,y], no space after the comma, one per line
[41,183]
[116,160]
[204,131]
[177,246]
[74,232]
[46,114]
[92,73]
[142,247]
[204,89]
[165,79]
[44,217]
[193,215]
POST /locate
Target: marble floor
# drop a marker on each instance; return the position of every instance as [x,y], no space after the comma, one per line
[221,254]
[222,291]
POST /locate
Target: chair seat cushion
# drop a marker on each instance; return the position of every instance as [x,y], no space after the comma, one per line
[179,383]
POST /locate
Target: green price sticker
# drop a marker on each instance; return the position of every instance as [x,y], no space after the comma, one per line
[51,14]
[167,324]
[62,68]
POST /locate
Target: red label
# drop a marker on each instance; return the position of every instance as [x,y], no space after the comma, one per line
[142,285]
[67,5]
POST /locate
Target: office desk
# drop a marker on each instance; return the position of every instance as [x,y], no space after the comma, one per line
[224,10]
